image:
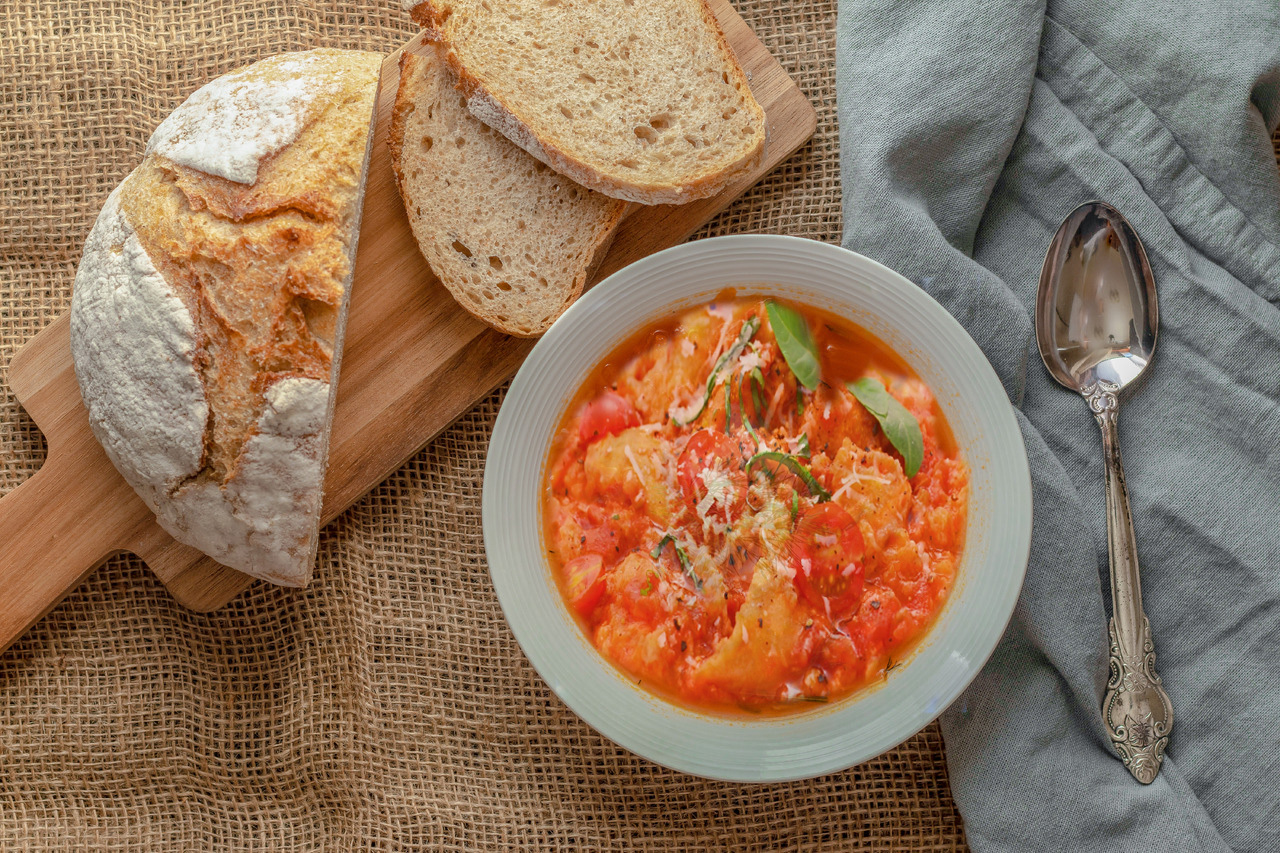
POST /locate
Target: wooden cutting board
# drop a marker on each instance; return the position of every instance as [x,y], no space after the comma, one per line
[412,363]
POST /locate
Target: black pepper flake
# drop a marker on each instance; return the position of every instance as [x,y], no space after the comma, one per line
[684,647]
[875,604]
[822,678]
[759,623]
[676,622]
[583,540]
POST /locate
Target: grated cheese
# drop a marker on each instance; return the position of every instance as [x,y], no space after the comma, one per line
[724,313]
[635,466]
[773,404]
[925,564]
[719,492]
[858,477]
[684,413]
[750,359]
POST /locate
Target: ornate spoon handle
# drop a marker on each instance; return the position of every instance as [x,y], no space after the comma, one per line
[1136,708]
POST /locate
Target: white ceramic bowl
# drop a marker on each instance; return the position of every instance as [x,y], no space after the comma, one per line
[829,737]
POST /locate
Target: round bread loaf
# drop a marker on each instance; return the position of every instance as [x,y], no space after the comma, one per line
[209,306]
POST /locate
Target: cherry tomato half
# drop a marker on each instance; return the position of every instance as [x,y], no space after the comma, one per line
[712,450]
[608,414]
[826,549]
[585,582]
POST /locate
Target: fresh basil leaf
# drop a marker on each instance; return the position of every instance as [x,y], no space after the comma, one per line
[796,467]
[798,348]
[900,426]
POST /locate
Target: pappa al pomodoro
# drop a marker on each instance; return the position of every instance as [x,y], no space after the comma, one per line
[755,506]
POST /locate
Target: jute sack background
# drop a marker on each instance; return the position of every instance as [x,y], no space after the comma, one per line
[387,707]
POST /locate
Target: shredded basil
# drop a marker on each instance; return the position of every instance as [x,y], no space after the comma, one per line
[900,426]
[728,412]
[685,563]
[749,328]
[796,467]
[746,419]
[757,394]
[795,505]
[798,348]
[802,443]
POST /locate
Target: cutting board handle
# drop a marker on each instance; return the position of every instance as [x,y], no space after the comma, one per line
[52,530]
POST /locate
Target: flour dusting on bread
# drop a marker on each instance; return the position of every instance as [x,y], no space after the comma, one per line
[230,125]
[265,514]
[133,342]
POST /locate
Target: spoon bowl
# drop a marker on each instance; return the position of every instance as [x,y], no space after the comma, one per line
[1096,313]
[1096,325]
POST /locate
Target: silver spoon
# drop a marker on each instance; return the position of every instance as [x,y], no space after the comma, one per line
[1096,323]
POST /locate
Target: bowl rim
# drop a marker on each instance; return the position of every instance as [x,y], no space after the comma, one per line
[664,739]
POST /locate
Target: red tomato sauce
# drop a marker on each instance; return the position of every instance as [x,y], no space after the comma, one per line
[729,580]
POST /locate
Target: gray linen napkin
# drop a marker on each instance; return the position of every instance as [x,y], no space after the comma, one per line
[968,131]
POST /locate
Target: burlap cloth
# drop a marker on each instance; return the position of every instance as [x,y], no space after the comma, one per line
[387,707]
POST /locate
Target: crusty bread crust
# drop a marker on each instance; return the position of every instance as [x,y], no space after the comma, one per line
[512,241]
[532,132]
[252,238]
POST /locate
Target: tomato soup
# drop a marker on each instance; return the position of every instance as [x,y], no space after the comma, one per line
[754,505]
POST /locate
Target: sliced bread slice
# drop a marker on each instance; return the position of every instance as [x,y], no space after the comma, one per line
[643,101]
[513,241]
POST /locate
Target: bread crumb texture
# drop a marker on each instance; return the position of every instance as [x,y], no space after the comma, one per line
[513,241]
[640,99]
[206,355]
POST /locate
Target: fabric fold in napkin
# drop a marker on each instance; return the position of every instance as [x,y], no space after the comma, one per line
[967,132]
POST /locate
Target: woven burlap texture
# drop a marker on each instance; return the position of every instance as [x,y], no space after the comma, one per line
[388,706]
